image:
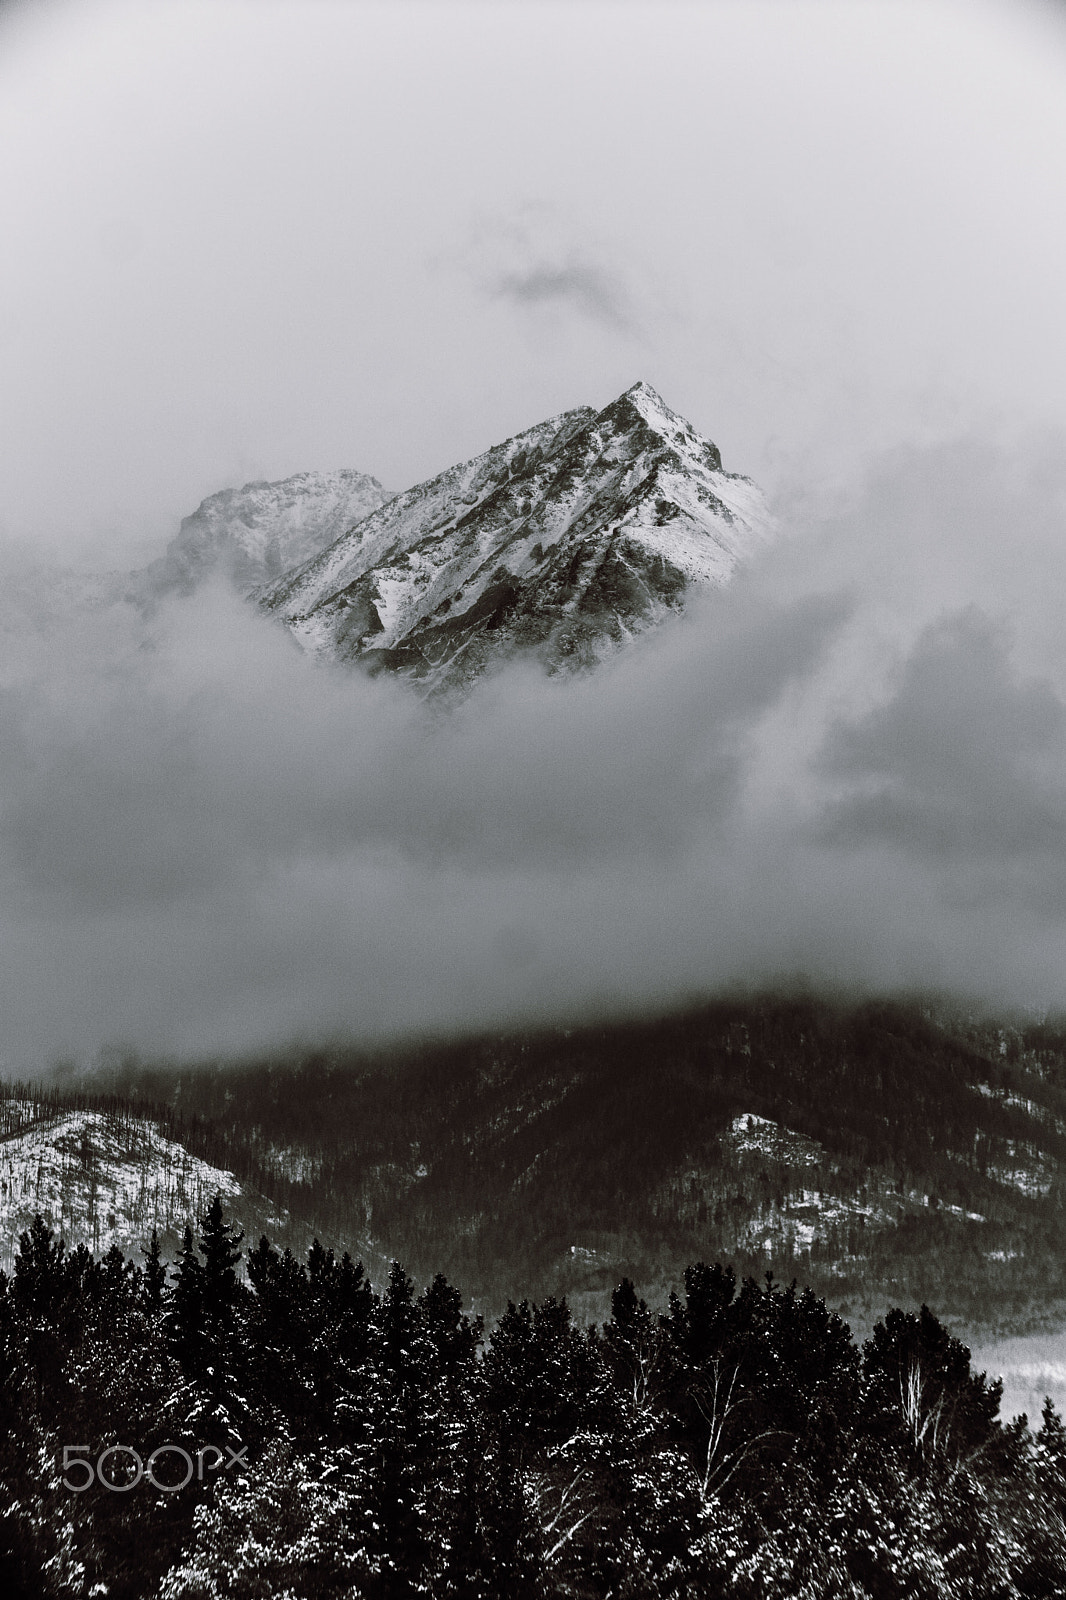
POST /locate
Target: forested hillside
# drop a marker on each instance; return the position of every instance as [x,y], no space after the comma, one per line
[189,1436]
[883,1153]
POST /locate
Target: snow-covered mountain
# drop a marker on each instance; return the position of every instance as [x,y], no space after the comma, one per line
[566,540]
[254,534]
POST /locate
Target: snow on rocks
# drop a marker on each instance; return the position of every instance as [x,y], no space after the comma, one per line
[564,541]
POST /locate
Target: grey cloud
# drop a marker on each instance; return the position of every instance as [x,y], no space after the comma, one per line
[850,764]
[535,256]
[583,287]
[966,759]
[195,770]
[192,301]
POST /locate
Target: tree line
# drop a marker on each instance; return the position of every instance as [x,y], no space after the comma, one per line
[290,1430]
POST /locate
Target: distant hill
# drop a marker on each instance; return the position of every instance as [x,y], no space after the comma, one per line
[105,1173]
[881,1153]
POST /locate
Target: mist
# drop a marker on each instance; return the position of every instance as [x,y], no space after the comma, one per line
[249,240]
[848,768]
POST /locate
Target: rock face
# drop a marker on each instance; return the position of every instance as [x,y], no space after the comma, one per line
[253,535]
[564,541]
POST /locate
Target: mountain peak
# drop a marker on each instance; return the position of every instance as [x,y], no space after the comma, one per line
[564,541]
[646,401]
[642,394]
[644,404]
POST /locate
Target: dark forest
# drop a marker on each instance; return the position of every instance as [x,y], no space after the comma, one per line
[185,1433]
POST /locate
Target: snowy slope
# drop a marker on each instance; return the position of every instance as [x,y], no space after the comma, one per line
[256,533]
[566,539]
[101,1178]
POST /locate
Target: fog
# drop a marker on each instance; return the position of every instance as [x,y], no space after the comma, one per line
[243,241]
[848,768]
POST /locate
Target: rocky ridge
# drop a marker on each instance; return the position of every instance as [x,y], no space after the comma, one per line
[563,541]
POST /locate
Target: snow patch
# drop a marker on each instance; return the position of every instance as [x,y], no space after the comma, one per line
[100,1179]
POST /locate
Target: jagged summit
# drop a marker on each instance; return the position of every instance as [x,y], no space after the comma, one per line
[652,409]
[565,540]
[648,402]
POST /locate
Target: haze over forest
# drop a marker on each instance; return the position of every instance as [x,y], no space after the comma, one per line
[249,241]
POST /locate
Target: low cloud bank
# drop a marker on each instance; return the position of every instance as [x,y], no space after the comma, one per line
[850,767]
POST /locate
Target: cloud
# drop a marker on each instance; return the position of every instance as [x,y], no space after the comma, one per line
[584,287]
[965,760]
[850,765]
[537,258]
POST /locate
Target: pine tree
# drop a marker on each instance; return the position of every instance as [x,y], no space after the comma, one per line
[220,1245]
[632,1343]
[1051,1455]
[187,1306]
[399,1457]
[39,1269]
[155,1275]
[920,1388]
[44,1293]
[449,1340]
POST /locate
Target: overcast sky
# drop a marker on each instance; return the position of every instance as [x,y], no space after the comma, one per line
[245,240]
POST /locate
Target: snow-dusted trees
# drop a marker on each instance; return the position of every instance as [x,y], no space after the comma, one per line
[920,1392]
[306,1435]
